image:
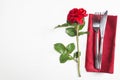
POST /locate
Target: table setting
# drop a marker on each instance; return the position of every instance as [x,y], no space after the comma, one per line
[100,48]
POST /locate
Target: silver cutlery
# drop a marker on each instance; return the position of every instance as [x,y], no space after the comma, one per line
[102,33]
[96,27]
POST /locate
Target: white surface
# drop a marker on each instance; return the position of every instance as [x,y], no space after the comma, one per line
[27,37]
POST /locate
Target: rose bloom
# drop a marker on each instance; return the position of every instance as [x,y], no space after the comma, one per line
[76,15]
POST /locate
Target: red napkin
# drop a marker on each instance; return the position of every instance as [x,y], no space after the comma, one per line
[108,46]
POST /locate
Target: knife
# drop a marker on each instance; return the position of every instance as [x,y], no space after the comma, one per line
[102,33]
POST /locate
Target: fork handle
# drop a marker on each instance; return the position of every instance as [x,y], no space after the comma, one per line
[97,66]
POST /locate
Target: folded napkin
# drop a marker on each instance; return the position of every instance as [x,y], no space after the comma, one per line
[108,46]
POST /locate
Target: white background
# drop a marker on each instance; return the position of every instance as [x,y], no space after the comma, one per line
[27,36]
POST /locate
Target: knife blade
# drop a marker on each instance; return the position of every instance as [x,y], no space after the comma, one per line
[102,33]
[103,24]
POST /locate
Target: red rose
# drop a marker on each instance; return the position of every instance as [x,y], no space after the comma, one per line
[76,15]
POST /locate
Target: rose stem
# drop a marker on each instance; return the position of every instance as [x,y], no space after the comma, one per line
[77,41]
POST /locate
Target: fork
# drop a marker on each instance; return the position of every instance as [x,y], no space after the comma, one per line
[96,27]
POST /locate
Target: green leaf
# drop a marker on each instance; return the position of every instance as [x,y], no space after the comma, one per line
[81,26]
[70,57]
[76,54]
[64,58]
[72,24]
[70,47]
[82,33]
[63,25]
[59,47]
[71,32]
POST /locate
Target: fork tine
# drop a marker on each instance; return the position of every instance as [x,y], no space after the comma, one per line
[96,17]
